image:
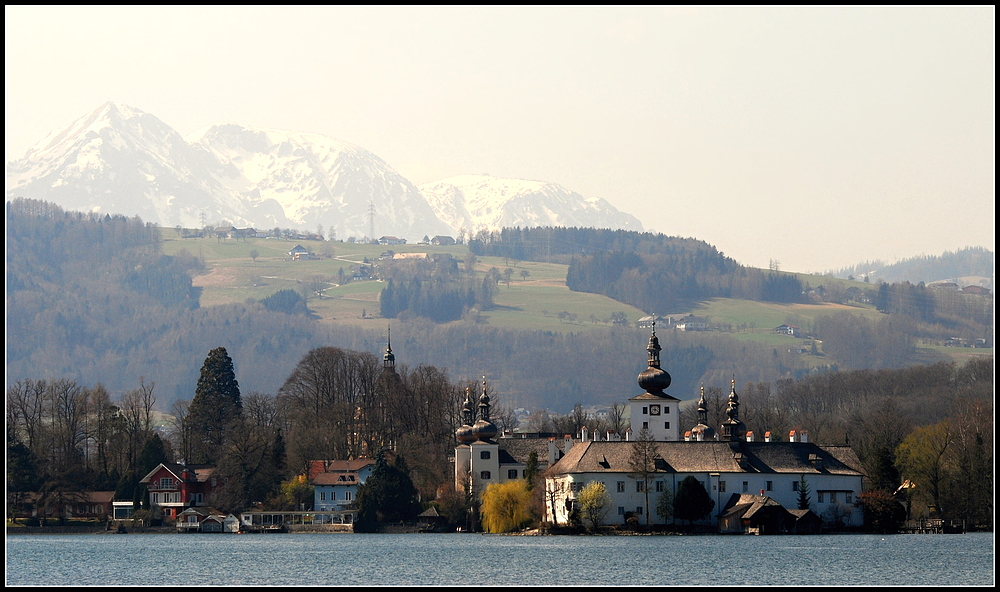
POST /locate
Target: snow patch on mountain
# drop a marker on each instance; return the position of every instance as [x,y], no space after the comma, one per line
[483,202]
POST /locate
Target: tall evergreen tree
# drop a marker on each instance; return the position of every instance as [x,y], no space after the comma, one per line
[216,404]
[803,494]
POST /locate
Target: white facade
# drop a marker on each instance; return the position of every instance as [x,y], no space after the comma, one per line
[833,486]
[659,415]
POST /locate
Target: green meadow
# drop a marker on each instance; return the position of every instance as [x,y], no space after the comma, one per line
[535,300]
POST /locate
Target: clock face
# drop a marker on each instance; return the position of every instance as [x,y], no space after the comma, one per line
[654,409]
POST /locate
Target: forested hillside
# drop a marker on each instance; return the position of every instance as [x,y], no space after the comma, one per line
[656,273]
[970,261]
[92,298]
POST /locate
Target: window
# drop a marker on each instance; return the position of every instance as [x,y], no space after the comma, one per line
[166,483]
[666,425]
[746,486]
[795,485]
[156,497]
[645,410]
[484,475]
[848,497]
[645,425]
[621,486]
[512,473]
[322,496]
[659,486]
[833,496]
[348,495]
[621,510]
[485,455]
[722,486]
[638,510]
[666,410]
[819,497]
[640,486]
[770,485]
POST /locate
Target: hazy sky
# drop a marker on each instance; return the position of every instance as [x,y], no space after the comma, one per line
[817,137]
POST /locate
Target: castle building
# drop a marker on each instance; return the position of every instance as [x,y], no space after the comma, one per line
[740,474]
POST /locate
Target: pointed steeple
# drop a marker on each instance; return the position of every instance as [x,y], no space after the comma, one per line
[484,429]
[389,359]
[703,431]
[733,428]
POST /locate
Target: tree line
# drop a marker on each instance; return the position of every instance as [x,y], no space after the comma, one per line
[64,438]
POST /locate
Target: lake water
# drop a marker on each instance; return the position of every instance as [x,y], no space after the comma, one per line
[476,559]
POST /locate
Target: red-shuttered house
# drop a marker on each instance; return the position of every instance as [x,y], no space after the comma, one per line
[173,487]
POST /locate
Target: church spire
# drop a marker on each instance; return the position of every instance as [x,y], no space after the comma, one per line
[389,359]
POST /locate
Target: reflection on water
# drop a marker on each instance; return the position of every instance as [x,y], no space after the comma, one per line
[457,559]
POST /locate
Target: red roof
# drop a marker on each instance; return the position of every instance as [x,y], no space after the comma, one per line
[337,466]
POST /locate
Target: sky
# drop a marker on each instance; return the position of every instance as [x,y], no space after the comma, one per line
[816,138]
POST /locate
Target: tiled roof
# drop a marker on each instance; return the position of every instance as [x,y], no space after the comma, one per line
[704,457]
[521,448]
[335,479]
[652,397]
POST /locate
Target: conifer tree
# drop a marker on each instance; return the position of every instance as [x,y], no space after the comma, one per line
[216,404]
[803,494]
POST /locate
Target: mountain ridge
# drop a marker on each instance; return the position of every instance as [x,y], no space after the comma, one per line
[119,159]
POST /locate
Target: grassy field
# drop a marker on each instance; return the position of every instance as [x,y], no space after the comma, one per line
[538,301]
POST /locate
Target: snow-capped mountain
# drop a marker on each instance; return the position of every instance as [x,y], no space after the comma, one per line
[121,160]
[317,180]
[477,202]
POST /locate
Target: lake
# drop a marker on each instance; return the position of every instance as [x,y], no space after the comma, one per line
[470,559]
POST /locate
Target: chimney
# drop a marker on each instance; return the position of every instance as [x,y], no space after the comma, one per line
[803,436]
[584,434]
[749,436]
[687,436]
[628,435]
[567,443]
[553,455]
[767,436]
[792,436]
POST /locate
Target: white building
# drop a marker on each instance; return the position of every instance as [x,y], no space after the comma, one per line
[726,463]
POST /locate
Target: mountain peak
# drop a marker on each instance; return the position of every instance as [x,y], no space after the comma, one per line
[485,202]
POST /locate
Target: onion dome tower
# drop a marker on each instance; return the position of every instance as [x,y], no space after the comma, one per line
[464,433]
[733,429]
[655,410]
[484,430]
[702,431]
[654,379]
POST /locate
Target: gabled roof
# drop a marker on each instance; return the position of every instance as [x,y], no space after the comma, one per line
[519,449]
[705,457]
[338,466]
[199,473]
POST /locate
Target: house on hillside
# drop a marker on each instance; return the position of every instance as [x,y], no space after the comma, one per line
[391,240]
[791,330]
[442,241]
